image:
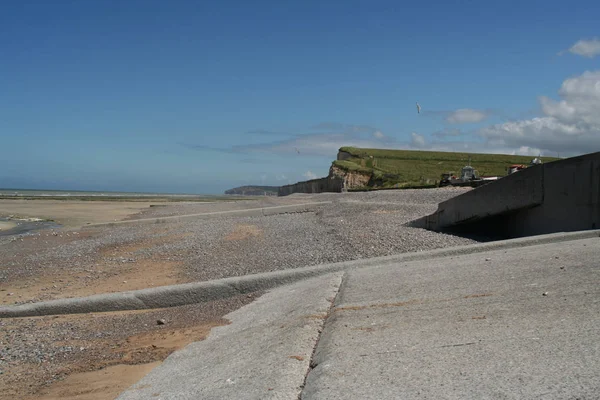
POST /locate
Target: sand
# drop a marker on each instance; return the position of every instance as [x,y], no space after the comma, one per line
[107,383]
[110,351]
[72,213]
[6,225]
[139,274]
[99,367]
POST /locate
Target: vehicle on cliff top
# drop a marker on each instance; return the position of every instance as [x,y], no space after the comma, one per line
[394,168]
[469,176]
[518,167]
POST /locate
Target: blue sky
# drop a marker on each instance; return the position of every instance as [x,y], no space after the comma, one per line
[198,96]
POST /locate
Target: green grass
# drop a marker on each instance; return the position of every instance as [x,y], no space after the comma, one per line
[352,166]
[409,168]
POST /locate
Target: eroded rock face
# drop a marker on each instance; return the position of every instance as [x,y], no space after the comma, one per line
[351,179]
[321,185]
[338,180]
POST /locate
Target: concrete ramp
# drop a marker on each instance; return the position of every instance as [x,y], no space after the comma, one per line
[513,322]
[561,196]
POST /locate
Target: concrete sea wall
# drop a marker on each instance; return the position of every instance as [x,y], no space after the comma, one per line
[561,196]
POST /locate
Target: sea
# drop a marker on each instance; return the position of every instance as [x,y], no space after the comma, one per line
[80,193]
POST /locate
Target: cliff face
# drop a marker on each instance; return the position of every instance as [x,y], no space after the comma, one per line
[350,179]
[321,185]
[338,180]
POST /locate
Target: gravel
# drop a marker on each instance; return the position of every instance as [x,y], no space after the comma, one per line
[36,352]
[354,226]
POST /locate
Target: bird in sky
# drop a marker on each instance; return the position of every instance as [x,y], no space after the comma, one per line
[418,108]
[297,151]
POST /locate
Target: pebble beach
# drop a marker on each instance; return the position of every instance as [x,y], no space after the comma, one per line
[73,262]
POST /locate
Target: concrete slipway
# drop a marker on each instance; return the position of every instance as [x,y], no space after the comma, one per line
[513,320]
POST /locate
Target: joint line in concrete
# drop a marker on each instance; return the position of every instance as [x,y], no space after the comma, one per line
[311,364]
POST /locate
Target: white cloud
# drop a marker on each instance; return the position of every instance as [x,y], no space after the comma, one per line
[378,135]
[309,175]
[417,140]
[527,151]
[586,48]
[466,115]
[569,126]
[581,100]
[280,177]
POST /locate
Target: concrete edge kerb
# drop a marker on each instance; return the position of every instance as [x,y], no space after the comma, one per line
[247,212]
[198,292]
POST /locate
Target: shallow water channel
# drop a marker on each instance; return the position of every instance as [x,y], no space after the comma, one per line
[24,226]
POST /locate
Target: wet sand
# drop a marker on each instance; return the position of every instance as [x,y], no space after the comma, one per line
[73,213]
[18,227]
[6,225]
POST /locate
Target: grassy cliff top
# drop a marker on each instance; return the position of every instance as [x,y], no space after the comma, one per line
[440,156]
[423,168]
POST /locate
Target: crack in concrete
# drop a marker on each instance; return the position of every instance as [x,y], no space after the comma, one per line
[311,364]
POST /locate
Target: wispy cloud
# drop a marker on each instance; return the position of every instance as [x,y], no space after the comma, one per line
[257,161]
[265,132]
[570,125]
[483,147]
[585,48]
[417,141]
[344,128]
[466,116]
[306,144]
[378,135]
[309,175]
[444,133]
[201,147]
[324,143]
[461,115]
